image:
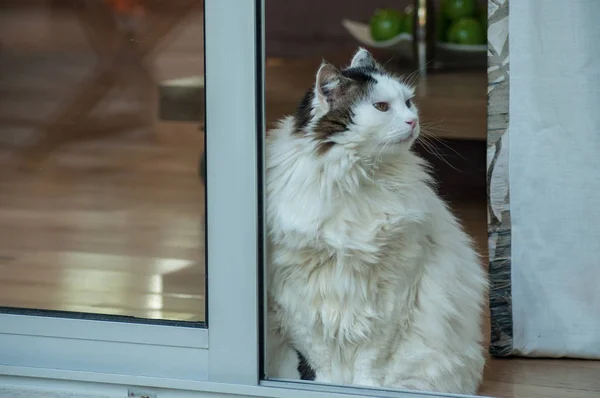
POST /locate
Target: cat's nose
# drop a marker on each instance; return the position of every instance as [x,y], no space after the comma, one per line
[411,122]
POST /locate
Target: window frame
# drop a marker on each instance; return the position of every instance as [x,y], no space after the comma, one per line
[109,357]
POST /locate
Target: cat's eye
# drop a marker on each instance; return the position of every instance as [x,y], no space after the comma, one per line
[408,103]
[382,106]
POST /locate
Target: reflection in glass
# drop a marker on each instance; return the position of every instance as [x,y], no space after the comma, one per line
[101,201]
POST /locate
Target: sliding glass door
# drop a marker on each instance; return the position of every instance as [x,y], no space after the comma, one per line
[133,243]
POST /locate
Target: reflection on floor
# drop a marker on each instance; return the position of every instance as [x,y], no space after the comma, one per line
[111,227]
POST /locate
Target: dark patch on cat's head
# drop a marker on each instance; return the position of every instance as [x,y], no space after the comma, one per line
[362,75]
[334,122]
[303,116]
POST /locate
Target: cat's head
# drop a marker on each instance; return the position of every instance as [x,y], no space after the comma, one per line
[362,107]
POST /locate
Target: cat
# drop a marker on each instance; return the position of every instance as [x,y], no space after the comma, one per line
[370,277]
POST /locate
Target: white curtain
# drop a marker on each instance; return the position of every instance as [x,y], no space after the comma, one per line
[554,176]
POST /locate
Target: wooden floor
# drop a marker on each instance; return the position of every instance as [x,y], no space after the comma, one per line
[106,215]
[110,227]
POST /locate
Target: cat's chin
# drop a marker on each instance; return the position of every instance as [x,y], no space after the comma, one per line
[402,140]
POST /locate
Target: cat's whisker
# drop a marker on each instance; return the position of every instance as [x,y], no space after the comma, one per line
[431,149]
[425,144]
[436,126]
[411,78]
[389,60]
[412,75]
[429,135]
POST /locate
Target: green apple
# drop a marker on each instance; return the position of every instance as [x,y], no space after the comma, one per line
[455,9]
[386,24]
[466,31]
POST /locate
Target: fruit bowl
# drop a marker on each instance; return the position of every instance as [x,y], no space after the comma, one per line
[401,45]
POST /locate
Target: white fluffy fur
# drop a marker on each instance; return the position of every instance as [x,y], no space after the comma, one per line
[370,276]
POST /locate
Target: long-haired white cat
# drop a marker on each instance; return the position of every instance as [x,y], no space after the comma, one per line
[370,278]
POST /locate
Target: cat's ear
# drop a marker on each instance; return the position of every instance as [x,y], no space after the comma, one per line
[328,80]
[363,59]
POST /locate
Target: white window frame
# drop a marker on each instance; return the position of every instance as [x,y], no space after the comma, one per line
[109,357]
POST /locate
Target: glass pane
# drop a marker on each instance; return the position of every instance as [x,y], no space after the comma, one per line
[101,140]
[358,239]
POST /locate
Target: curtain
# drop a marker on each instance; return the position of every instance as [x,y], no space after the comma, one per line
[544,178]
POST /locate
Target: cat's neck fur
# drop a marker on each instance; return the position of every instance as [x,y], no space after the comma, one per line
[321,193]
